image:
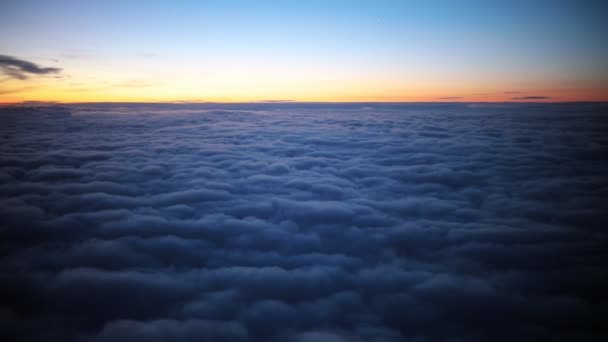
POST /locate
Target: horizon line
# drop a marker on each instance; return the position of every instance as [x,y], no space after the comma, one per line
[58,103]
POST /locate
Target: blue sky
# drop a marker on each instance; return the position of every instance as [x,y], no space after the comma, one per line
[289,48]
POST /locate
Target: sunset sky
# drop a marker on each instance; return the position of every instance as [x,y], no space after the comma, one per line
[242,51]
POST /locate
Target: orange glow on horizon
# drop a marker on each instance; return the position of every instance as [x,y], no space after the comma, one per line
[379,90]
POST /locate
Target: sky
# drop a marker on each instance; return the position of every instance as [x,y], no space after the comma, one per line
[250,51]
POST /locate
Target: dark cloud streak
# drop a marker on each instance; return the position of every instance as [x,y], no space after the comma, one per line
[21,69]
[531,98]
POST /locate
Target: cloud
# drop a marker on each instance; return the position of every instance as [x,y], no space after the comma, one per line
[531,98]
[449,97]
[22,69]
[170,330]
[303,222]
[275,101]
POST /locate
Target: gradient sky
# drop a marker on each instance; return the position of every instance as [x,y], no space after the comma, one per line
[239,51]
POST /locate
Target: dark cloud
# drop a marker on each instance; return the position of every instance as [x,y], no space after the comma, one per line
[21,69]
[531,98]
[303,222]
[170,330]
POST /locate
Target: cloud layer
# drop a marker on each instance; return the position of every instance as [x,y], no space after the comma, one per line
[295,222]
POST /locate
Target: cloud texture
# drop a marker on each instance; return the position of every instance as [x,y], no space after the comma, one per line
[294,222]
[21,69]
